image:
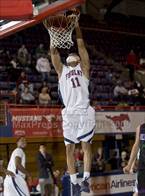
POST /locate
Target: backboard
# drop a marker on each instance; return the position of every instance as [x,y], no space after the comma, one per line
[40,12]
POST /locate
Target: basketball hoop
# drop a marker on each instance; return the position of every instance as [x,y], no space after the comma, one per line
[60,28]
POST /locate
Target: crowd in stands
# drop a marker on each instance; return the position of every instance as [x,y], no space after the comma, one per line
[28,77]
[99,163]
[20,72]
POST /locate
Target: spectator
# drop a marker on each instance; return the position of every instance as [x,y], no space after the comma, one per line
[40,50]
[13,70]
[27,97]
[142,60]
[44,98]
[43,67]
[26,84]
[44,84]
[22,78]
[136,93]
[120,91]
[79,155]
[124,159]
[7,57]
[57,182]
[131,63]
[46,176]
[98,163]
[23,55]
[114,160]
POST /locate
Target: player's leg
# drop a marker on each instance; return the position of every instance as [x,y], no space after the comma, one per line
[141,182]
[85,135]
[70,159]
[71,168]
[86,147]
[135,189]
[15,186]
[70,131]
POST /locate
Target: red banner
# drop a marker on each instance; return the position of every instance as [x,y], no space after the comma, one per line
[15,9]
[36,122]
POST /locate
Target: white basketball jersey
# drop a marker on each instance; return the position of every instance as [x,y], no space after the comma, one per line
[12,166]
[73,86]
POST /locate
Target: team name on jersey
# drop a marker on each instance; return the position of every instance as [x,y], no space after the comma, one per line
[74,73]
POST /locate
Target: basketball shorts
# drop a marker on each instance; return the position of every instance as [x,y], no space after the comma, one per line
[15,186]
[78,125]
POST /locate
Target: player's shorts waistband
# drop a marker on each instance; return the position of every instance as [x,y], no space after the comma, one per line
[75,110]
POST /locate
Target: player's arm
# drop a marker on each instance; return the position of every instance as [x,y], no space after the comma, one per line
[20,167]
[56,60]
[85,62]
[5,171]
[134,152]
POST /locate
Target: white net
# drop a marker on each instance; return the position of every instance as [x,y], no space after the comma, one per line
[61,37]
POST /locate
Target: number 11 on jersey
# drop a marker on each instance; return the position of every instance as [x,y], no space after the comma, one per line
[75,82]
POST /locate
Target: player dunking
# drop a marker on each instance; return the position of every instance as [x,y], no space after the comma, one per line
[16,186]
[78,116]
[139,145]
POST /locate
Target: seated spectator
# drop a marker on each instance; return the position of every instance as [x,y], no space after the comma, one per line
[114,161]
[22,78]
[27,97]
[142,61]
[136,93]
[79,155]
[13,69]
[23,55]
[26,84]
[98,163]
[43,67]
[124,159]
[44,98]
[40,50]
[44,84]
[120,91]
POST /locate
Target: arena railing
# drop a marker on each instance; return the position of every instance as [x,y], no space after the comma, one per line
[97,108]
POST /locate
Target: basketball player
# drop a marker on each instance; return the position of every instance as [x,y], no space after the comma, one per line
[16,186]
[78,116]
[139,145]
[134,170]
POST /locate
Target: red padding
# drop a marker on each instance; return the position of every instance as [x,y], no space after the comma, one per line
[16,9]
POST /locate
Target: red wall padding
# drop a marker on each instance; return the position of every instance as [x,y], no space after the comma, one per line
[15,9]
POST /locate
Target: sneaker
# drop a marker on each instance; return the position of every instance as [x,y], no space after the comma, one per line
[85,186]
[76,189]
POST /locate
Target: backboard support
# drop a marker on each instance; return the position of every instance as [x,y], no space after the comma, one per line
[11,27]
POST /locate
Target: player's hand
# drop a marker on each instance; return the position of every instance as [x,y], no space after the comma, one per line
[29,180]
[131,171]
[126,169]
[9,173]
